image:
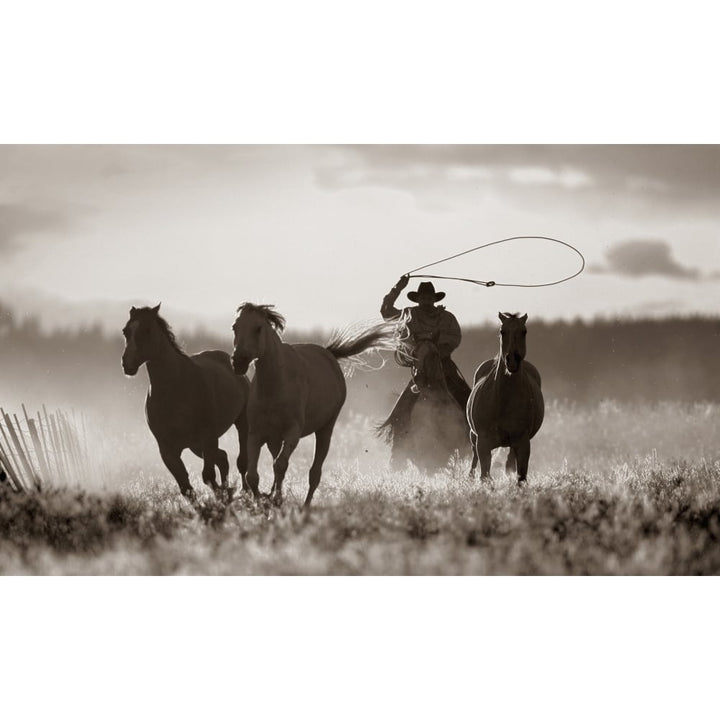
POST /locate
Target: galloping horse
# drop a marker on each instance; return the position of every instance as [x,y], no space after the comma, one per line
[506,406]
[427,426]
[297,390]
[191,401]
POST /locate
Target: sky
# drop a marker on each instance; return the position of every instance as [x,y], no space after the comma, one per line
[323,232]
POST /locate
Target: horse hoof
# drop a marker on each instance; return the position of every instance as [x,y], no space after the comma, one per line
[522,482]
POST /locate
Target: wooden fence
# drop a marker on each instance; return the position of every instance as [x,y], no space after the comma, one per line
[43,449]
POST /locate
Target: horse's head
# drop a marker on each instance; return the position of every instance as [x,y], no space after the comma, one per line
[427,366]
[512,340]
[143,336]
[250,329]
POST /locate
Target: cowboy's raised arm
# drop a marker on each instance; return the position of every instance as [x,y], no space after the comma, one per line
[388,309]
[449,335]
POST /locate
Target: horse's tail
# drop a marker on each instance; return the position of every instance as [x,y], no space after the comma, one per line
[348,343]
[360,337]
[386,430]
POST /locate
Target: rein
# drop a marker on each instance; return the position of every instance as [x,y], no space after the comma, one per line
[493,283]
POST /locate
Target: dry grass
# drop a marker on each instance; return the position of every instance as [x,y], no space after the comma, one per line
[612,490]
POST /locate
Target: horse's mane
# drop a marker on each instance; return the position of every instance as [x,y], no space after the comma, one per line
[268,312]
[162,324]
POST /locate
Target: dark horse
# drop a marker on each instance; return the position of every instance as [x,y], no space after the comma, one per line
[192,400]
[506,406]
[427,425]
[297,390]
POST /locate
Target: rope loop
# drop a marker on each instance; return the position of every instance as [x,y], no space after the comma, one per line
[493,283]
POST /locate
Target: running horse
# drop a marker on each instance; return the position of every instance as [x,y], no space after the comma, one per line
[192,399]
[506,406]
[427,425]
[297,390]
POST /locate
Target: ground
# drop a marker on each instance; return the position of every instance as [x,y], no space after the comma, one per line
[612,490]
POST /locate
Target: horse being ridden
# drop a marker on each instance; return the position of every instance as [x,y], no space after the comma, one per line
[426,321]
[506,406]
[191,401]
[435,426]
[297,390]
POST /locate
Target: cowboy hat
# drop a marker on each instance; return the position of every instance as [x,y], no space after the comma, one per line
[425,289]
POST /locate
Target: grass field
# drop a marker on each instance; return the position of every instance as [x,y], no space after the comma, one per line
[612,490]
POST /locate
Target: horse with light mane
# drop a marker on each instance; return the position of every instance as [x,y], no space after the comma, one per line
[297,390]
[428,425]
[192,400]
[506,406]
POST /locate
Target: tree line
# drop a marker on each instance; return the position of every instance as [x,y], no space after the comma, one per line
[627,360]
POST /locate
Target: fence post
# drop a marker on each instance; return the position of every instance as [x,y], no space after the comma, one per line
[17,451]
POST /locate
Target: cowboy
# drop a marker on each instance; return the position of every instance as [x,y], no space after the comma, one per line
[426,321]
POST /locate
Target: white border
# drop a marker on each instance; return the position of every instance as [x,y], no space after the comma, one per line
[380,71]
[359,648]
[370,72]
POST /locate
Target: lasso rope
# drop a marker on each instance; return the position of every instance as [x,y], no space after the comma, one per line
[492,283]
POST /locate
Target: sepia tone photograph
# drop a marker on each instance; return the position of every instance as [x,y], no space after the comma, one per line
[373,359]
[359,360]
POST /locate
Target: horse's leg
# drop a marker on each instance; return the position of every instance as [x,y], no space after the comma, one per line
[173,462]
[221,460]
[400,435]
[280,464]
[522,452]
[254,444]
[274,446]
[400,450]
[483,448]
[242,460]
[511,462]
[473,445]
[210,456]
[322,445]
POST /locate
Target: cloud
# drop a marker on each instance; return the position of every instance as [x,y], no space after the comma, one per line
[639,258]
[687,174]
[18,221]
[566,177]
[441,178]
